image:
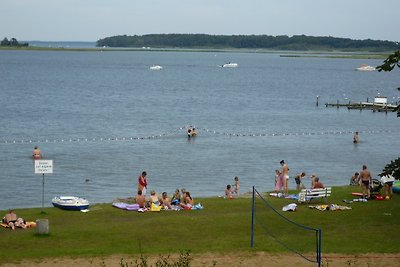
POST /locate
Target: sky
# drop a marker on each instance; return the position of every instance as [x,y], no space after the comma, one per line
[91,20]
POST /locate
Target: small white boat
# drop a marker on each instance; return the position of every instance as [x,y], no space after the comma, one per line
[156,67]
[365,67]
[70,203]
[230,65]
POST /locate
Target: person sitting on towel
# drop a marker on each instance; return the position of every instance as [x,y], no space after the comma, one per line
[140,199]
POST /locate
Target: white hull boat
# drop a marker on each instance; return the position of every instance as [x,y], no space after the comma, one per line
[230,65]
[365,67]
[156,67]
[70,203]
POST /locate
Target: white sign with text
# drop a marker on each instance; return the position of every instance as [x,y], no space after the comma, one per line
[43,166]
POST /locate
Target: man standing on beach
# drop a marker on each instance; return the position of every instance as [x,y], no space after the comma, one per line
[285,174]
[365,179]
[142,183]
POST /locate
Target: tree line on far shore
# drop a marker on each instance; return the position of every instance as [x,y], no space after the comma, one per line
[282,42]
[12,43]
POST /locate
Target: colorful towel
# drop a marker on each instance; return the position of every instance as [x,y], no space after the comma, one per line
[330,207]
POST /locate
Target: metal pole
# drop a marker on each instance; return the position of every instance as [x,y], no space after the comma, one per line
[252,220]
[319,259]
[43,193]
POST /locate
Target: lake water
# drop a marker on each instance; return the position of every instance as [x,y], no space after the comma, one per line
[104,117]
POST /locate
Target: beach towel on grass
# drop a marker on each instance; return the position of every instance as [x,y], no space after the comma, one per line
[28,225]
[126,206]
[330,207]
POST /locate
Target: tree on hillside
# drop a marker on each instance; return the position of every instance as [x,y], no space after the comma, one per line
[5,42]
[12,42]
[389,63]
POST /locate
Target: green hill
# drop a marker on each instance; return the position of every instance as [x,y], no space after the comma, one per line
[283,42]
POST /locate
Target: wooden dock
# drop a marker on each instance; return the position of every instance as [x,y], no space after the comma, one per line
[375,107]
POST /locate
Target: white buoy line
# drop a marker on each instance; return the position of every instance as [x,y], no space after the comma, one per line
[173,133]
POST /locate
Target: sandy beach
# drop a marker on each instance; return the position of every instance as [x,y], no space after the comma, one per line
[237,259]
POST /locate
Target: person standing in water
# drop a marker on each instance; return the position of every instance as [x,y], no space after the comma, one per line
[36,153]
[355,138]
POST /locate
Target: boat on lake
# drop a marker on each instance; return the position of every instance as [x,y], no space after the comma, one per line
[156,67]
[70,203]
[365,67]
[230,65]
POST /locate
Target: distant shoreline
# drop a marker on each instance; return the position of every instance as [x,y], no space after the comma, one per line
[293,54]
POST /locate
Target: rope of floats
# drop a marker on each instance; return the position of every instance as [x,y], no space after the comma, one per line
[183,130]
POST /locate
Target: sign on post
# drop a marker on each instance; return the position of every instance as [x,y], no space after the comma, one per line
[43,166]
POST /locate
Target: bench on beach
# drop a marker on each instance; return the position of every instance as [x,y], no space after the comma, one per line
[306,195]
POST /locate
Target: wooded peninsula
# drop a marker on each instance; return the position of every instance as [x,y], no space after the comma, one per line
[282,42]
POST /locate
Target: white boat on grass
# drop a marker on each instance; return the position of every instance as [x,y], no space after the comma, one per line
[230,65]
[365,67]
[70,203]
[156,67]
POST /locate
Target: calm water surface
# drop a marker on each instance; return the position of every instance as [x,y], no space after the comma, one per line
[79,106]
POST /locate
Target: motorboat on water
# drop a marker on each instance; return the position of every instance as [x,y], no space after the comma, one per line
[230,65]
[365,67]
[70,203]
[156,67]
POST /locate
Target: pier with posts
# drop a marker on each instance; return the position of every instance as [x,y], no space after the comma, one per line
[378,105]
[374,106]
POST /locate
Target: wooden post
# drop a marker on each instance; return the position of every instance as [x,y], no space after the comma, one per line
[337,105]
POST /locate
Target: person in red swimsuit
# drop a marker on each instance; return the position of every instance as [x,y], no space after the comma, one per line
[142,183]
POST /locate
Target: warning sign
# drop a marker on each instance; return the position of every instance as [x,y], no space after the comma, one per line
[43,166]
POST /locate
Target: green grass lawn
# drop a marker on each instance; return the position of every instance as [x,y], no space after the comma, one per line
[223,226]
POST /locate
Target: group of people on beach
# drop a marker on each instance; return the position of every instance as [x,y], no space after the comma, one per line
[184,201]
[232,190]
[282,180]
[364,180]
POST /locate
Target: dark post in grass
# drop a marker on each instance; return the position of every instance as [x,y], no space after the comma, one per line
[252,220]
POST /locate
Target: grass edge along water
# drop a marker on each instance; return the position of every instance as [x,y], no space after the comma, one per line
[222,227]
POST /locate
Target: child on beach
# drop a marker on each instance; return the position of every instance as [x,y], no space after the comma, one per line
[176,198]
[236,191]
[278,181]
[298,178]
[228,192]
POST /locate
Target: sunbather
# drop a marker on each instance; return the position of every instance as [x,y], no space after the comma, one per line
[188,201]
[140,199]
[228,192]
[12,220]
[164,200]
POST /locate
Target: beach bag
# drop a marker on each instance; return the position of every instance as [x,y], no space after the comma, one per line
[154,207]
